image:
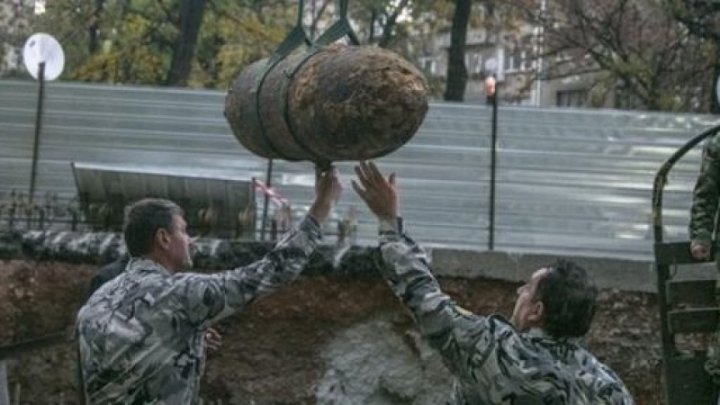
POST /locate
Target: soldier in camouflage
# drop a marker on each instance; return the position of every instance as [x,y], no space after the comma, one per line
[534,359]
[703,217]
[141,334]
[703,214]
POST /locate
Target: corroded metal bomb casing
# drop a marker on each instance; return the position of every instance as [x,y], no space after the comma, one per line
[341,103]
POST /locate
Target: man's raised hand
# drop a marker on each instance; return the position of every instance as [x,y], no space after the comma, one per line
[327,191]
[379,194]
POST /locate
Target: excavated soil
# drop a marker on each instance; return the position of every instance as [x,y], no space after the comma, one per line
[274,351]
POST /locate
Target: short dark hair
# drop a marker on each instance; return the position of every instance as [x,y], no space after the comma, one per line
[142,221]
[568,295]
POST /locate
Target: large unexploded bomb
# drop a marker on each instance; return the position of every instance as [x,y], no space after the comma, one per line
[339,103]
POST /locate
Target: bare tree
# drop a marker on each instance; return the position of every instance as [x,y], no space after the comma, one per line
[636,47]
[382,19]
[702,19]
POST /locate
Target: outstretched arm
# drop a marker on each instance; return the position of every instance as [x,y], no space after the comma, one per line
[453,331]
[208,298]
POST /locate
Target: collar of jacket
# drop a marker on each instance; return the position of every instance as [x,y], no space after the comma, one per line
[539,333]
[146,265]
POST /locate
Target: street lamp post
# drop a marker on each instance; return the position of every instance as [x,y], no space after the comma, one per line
[492,98]
[38,126]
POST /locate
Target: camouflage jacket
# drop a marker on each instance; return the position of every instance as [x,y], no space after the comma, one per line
[705,196]
[491,361]
[107,273]
[140,335]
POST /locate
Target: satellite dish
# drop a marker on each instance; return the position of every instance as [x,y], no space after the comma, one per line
[45,48]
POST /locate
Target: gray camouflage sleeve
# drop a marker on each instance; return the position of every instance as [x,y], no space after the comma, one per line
[450,329]
[209,298]
[705,195]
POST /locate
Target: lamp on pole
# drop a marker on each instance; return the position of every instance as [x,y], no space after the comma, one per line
[491,98]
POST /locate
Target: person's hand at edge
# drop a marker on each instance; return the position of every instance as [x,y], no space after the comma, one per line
[213,340]
[700,250]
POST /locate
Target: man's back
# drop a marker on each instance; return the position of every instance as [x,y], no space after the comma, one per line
[136,342]
[529,368]
[107,273]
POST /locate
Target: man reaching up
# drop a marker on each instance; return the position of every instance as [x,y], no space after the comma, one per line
[533,359]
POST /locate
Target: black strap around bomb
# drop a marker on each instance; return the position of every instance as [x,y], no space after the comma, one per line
[297,37]
[338,30]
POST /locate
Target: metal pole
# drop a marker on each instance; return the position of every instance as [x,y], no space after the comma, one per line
[4,393]
[38,125]
[268,179]
[493,150]
[539,31]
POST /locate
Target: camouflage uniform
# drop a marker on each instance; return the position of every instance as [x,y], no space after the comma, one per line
[703,214]
[703,223]
[491,361]
[107,273]
[141,334]
[73,246]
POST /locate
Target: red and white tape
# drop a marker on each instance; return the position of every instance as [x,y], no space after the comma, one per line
[271,193]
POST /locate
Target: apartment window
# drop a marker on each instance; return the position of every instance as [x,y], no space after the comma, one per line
[514,61]
[428,65]
[479,63]
[474,62]
[571,98]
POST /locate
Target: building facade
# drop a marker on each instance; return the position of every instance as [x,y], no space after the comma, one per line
[512,58]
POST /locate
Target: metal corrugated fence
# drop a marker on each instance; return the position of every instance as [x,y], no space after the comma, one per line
[572,182]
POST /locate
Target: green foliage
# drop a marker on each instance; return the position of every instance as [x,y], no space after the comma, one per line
[131,41]
[134,38]
[234,37]
[125,61]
